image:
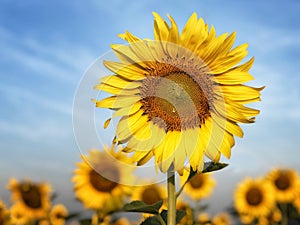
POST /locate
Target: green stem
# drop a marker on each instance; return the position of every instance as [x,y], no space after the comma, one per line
[161,220]
[171,198]
[181,189]
[285,219]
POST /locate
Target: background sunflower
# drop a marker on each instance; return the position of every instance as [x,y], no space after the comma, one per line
[199,186]
[254,197]
[100,180]
[285,182]
[32,199]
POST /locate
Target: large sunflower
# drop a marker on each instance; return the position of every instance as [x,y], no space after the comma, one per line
[285,182]
[33,199]
[200,186]
[254,198]
[180,96]
[100,180]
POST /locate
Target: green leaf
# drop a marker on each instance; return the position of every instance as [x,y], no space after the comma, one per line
[179,215]
[212,166]
[153,220]
[85,221]
[139,206]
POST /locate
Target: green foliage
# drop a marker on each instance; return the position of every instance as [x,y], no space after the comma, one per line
[156,220]
[139,206]
[212,166]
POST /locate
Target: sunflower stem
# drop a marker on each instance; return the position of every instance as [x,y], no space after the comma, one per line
[171,198]
[285,220]
[181,189]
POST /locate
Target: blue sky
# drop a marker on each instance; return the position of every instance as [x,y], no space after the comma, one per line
[46,47]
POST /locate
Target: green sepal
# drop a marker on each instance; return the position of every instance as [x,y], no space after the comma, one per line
[212,166]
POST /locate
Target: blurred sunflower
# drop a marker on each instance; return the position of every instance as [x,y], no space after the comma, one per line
[118,221]
[3,213]
[222,219]
[58,214]
[285,182]
[149,194]
[100,180]
[18,216]
[254,197]
[33,199]
[204,218]
[199,186]
[296,201]
[246,218]
[180,96]
[188,219]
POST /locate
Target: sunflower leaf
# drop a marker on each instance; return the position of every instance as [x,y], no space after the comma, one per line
[212,166]
[85,222]
[139,206]
[179,215]
[153,220]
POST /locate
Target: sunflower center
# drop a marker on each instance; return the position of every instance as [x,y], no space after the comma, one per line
[283,181]
[31,195]
[196,181]
[174,101]
[104,180]
[151,195]
[254,196]
[60,215]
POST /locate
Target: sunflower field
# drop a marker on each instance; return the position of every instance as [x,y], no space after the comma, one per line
[273,199]
[180,100]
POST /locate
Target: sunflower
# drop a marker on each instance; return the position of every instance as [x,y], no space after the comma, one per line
[58,214]
[118,221]
[246,218]
[222,219]
[180,96]
[3,213]
[204,218]
[101,180]
[149,194]
[296,201]
[199,186]
[188,219]
[18,216]
[32,198]
[254,197]
[285,182]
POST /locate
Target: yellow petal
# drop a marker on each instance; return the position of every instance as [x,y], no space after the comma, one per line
[129,110]
[119,82]
[148,137]
[129,72]
[229,126]
[234,77]
[115,102]
[240,92]
[129,37]
[128,125]
[106,123]
[145,159]
[161,28]
[116,90]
